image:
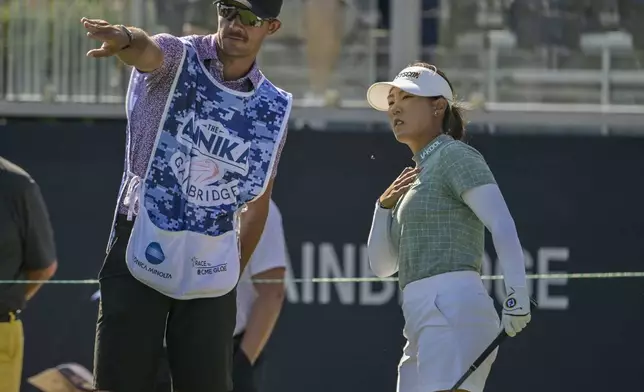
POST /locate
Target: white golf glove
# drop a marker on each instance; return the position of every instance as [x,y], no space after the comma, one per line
[516,310]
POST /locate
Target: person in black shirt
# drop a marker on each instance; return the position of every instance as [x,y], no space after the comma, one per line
[27,252]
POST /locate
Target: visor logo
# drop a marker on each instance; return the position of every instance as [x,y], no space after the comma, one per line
[408,75]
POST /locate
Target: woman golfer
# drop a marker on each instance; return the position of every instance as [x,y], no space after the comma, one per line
[429,226]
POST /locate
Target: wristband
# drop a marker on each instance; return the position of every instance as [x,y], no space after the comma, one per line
[130,36]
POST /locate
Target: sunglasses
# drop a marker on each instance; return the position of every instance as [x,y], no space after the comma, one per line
[246,16]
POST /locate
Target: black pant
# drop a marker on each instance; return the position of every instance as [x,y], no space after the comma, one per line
[164,383]
[132,324]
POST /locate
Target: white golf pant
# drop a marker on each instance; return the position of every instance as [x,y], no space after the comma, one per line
[449,321]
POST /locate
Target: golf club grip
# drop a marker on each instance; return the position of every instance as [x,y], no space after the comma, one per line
[491,347]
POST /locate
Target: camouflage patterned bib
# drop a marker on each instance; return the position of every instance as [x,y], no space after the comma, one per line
[214,152]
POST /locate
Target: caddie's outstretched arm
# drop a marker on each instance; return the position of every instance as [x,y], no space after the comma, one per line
[131,45]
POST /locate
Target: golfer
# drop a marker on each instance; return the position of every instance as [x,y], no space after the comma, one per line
[429,226]
[204,133]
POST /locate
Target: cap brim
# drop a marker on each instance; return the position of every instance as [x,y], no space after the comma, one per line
[261,13]
[378,92]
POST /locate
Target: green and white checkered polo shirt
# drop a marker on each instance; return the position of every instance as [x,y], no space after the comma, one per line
[432,227]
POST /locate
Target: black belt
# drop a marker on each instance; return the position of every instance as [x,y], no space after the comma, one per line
[8,317]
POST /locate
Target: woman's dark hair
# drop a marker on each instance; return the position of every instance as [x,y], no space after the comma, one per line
[454,121]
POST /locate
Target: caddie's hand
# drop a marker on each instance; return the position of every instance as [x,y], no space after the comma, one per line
[399,187]
[516,310]
[243,377]
[113,37]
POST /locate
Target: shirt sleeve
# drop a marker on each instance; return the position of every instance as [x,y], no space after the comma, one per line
[487,202]
[271,249]
[279,153]
[464,168]
[172,48]
[38,236]
[383,257]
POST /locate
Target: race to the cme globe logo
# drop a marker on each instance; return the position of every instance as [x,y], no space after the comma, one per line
[155,256]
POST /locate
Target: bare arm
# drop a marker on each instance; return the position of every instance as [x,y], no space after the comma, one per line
[42,274]
[253,221]
[264,314]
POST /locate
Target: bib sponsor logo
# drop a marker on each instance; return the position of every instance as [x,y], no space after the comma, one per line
[211,140]
[204,267]
[154,254]
[152,270]
[213,152]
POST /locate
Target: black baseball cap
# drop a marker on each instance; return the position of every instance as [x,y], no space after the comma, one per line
[266,9]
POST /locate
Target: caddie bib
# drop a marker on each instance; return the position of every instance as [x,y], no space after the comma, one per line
[214,152]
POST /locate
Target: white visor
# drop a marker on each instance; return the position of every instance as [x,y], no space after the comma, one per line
[419,81]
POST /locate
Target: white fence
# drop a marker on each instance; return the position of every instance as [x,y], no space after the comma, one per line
[43,47]
[43,52]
